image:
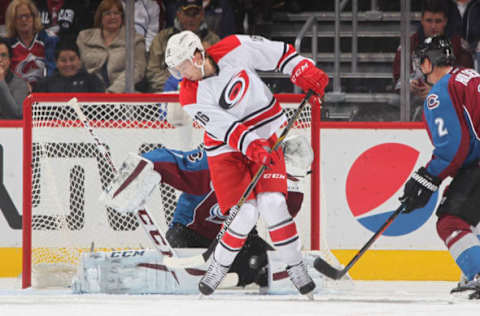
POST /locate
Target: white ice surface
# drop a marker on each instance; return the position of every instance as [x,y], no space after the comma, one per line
[336,298]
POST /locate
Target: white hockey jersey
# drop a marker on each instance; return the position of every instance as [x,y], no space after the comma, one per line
[235,106]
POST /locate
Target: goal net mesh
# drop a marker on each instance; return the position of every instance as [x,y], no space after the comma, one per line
[69,173]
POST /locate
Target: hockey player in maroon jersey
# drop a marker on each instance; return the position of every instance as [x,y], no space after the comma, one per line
[452,116]
[223,92]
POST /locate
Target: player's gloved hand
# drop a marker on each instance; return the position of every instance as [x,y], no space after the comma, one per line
[259,151]
[308,77]
[418,190]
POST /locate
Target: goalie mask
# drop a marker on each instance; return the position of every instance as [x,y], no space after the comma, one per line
[438,49]
[181,48]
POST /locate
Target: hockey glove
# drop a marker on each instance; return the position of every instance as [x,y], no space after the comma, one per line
[259,152]
[308,77]
[418,190]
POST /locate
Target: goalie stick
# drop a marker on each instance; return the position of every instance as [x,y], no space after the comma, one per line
[325,268]
[182,262]
[157,237]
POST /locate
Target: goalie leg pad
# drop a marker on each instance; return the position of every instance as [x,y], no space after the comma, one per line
[130,189]
[133,272]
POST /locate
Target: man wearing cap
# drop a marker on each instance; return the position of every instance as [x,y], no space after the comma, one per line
[190,16]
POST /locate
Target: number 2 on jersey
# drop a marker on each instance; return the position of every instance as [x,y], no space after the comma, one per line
[442,130]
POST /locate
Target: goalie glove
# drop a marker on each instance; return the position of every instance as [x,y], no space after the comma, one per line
[418,190]
[259,152]
[298,155]
[308,77]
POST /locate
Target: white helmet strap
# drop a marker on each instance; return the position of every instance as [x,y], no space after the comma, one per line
[202,66]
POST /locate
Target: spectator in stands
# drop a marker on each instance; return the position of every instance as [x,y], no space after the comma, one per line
[220,17]
[13,89]
[190,16]
[65,18]
[146,19]
[103,50]
[469,10]
[70,75]
[32,48]
[3,8]
[434,21]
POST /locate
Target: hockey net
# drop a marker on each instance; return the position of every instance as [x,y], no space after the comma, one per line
[65,174]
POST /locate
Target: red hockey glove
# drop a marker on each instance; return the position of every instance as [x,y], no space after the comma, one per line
[308,77]
[258,152]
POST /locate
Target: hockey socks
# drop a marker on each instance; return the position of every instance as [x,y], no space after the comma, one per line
[281,227]
[462,244]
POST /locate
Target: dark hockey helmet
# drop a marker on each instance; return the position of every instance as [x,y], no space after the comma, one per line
[438,49]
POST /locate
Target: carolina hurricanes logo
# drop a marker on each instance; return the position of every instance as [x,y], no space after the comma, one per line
[216,215]
[432,101]
[234,91]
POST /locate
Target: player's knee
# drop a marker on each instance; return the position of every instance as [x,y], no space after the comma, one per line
[249,214]
[271,200]
[273,207]
[449,226]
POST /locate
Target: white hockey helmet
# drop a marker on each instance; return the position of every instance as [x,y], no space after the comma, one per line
[181,47]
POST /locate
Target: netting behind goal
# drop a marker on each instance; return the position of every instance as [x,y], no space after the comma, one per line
[66,172]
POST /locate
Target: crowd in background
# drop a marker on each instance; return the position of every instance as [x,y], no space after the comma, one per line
[80,46]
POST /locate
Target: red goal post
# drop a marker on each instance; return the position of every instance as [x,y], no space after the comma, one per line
[63,175]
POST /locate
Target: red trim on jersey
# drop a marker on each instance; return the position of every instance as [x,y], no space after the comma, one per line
[274,110]
[283,233]
[236,134]
[220,49]
[291,50]
[188,92]
[210,142]
[233,242]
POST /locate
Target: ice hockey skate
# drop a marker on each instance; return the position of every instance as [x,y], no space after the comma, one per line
[212,278]
[301,279]
[473,286]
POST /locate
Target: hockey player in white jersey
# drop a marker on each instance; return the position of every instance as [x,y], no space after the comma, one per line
[222,91]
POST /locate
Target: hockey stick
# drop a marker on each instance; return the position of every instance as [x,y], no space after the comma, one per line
[202,258]
[323,267]
[157,237]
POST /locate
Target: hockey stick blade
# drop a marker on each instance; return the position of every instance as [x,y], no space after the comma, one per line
[323,267]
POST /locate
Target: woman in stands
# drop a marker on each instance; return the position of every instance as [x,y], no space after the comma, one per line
[103,48]
[32,48]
